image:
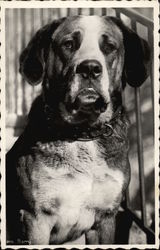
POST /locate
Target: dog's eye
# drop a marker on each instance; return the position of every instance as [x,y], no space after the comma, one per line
[68,44]
[112,46]
[109,47]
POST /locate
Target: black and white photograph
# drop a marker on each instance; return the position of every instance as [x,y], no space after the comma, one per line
[79,124]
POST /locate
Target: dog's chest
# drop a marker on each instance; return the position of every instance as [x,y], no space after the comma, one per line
[72,181]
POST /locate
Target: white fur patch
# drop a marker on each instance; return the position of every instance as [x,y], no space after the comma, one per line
[78,182]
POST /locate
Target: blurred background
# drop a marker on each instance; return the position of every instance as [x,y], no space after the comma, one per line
[21,24]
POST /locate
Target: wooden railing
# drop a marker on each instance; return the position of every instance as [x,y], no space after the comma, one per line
[136,18]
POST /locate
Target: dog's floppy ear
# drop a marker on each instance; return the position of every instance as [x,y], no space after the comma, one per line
[32,57]
[137,55]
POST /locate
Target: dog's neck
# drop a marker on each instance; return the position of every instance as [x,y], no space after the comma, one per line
[47,125]
[59,129]
[80,132]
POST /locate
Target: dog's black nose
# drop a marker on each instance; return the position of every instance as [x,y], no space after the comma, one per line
[89,69]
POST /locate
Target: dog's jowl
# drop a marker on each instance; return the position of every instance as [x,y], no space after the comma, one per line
[68,171]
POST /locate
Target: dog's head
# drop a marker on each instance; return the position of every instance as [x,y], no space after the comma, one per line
[83,61]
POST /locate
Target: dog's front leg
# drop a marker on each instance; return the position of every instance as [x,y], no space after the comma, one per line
[106,230]
[103,232]
[36,228]
[91,237]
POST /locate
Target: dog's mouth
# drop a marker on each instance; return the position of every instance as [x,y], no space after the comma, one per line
[88,101]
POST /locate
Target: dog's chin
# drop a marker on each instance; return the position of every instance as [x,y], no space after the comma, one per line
[74,116]
[84,115]
[86,107]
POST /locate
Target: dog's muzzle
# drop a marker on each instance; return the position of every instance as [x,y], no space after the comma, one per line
[88,101]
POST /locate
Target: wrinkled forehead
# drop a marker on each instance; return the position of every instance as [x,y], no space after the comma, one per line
[90,26]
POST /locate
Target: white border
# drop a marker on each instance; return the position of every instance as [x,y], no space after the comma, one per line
[3,116]
[81,4]
[156,119]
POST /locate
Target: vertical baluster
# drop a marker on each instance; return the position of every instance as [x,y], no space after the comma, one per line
[104,11]
[118,14]
[15,59]
[42,16]
[23,42]
[7,64]
[19,78]
[79,11]
[68,11]
[91,11]
[150,40]
[140,147]
[151,240]
[10,52]
[140,155]
[59,12]
[50,15]
[32,31]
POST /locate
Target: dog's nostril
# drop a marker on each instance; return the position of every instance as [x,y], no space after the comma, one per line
[89,69]
[97,70]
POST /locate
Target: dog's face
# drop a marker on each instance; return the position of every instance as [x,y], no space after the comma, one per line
[81,61]
[83,55]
